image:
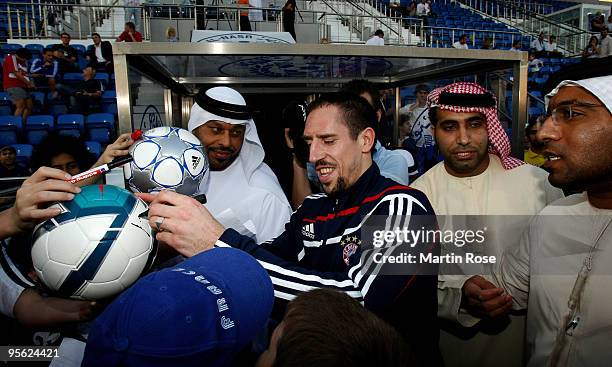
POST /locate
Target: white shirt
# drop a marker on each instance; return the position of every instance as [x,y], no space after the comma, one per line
[501,197]
[257,204]
[514,49]
[550,47]
[375,41]
[422,9]
[541,272]
[460,46]
[537,45]
[605,47]
[98,50]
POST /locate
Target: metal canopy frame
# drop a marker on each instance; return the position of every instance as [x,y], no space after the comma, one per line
[435,63]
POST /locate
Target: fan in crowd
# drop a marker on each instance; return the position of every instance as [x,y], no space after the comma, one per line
[420,141]
[605,44]
[461,43]
[84,96]
[592,48]
[516,46]
[562,261]
[129,34]
[377,39]
[533,153]
[16,81]
[100,54]
[9,167]
[478,178]
[45,71]
[66,55]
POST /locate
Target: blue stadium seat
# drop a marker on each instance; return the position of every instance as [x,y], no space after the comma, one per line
[56,106]
[72,124]
[36,49]
[10,129]
[109,102]
[103,77]
[24,152]
[100,127]
[10,48]
[80,49]
[37,128]
[39,101]
[82,61]
[541,80]
[535,111]
[94,148]
[72,78]
[5,104]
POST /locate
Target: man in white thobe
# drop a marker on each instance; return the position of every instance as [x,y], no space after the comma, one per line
[477,177]
[242,190]
[560,271]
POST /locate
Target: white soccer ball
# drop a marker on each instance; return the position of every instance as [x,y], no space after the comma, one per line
[97,246]
[167,158]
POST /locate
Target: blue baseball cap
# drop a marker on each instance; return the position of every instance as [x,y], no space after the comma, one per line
[200,312]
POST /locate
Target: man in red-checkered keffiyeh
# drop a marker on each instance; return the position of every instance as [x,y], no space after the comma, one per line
[471,97]
[479,179]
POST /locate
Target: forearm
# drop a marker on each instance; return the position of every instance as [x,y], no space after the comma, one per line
[8,227]
[34,310]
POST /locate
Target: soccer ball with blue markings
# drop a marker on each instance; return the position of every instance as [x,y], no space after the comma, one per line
[166,158]
[97,246]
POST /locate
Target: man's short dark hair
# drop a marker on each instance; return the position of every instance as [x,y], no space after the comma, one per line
[65,34]
[8,147]
[361,86]
[379,32]
[55,144]
[421,88]
[95,34]
[463,36]
[130,25]
[355,110]
[24,53]
[326,328]
[516,42]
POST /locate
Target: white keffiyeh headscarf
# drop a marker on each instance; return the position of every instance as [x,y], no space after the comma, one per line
[600,87]
[227,105]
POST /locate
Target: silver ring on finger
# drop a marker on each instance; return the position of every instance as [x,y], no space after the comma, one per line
[158,224]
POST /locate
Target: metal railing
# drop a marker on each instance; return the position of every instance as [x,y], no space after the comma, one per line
[433,35]
[31,20]
[28,20]
[569,38]
[364,17]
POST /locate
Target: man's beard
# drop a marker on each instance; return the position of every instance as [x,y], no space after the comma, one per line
[340,188]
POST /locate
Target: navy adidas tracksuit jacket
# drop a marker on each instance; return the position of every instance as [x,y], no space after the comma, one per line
[322,247]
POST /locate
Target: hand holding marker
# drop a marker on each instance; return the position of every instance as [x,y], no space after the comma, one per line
[117,162]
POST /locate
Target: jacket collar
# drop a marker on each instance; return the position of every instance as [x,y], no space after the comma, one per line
[359,190]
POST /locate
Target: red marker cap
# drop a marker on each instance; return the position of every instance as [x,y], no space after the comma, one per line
[136,135]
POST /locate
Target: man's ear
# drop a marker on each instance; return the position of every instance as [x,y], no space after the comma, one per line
[367,139]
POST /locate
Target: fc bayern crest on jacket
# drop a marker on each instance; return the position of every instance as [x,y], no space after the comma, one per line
[349,244]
